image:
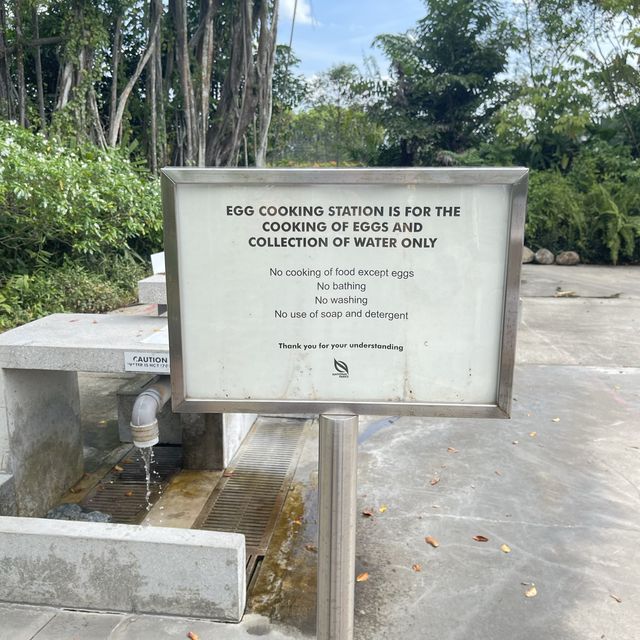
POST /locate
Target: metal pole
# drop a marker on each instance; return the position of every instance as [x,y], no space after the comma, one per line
[337,476]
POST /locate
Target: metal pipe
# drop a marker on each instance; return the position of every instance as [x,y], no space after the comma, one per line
[337,481]
[144,417]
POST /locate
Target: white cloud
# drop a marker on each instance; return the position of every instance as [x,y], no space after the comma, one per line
[303,11]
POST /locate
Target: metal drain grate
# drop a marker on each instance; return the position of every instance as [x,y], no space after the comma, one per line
[250,496]
[121,494]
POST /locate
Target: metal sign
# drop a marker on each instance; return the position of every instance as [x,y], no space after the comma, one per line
[371,291]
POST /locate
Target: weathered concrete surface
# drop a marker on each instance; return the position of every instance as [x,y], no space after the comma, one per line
[7,495]
[153,290]
[586,281]
[43,417]
[110,567]
[22,622]
[580,331]
[79,342]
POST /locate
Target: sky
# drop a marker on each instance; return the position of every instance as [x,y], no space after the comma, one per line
[329,32]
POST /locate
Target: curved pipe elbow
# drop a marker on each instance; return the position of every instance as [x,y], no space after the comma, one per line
[144,417]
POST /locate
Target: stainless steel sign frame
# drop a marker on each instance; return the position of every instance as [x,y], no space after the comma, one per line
[197,198]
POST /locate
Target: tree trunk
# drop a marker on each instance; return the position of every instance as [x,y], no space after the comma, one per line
[22,89]
[116,122]
[5,76]
[206,68]
[265,64]
[36,33]
[115,64]
[186,84]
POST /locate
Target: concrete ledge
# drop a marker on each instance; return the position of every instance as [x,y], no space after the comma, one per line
[153,290]
[112,567]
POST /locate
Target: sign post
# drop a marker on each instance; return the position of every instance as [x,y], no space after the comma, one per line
[343,293]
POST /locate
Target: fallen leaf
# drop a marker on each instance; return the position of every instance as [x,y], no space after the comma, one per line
[362,577]
[505,548]
[383,508]
[192,635]
[615,597]
[416,567]
[367,513]
[533,434]
[498,473]
[297,521]
[565,294]
[435,506]
[432,541]
[434,481]
[73,490]
[311,547]
[481,538]
[452,450]
[118,468]
[515,442]
[227,473]
[555,419]
[531,592]
[128,494]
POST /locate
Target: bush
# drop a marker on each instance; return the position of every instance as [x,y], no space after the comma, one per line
[80,203]
[70,288]
[555,216]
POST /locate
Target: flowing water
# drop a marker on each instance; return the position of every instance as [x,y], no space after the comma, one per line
[147,457]
[151,475]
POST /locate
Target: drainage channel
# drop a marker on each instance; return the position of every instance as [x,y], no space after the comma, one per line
[122,492]
[252,491]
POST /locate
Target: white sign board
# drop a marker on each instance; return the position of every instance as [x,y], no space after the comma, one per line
[373,291]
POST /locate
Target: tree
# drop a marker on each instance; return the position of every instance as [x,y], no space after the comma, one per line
[446,83]
[184,81]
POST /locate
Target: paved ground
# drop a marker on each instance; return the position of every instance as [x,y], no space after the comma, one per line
[559,484]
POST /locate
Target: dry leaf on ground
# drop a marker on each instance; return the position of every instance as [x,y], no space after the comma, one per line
[367,513]
[481,538]
[362,577]
[533,434]
[615,597]
[432,541]
[383,508]
[192,635]
[311,547]
[531,592]
[118,468]
[505,548]
[128,493]
[452,450]
[555,419]
[434,481]
[416,567]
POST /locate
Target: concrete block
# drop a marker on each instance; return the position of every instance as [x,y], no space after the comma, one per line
[169,422]
[80,342]
[122,568]
[235,428]
[153,290]
[43,412]
[7,495]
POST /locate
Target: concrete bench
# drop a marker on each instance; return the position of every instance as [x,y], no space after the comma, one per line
[40,432]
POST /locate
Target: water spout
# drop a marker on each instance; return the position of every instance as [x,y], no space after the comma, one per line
[144,417]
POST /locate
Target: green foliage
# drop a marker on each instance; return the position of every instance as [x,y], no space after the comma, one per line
[75,224]
[555,218]
[70,288]
[79,203]
[446,83]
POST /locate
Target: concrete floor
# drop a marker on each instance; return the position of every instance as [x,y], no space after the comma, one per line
[559,484]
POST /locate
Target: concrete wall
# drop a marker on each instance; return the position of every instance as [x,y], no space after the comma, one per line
[112,567]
